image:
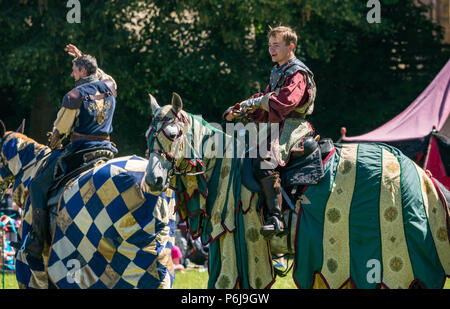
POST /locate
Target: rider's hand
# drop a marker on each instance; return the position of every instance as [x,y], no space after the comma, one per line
[54,141]
[247,106]
[73,51]
[231,113]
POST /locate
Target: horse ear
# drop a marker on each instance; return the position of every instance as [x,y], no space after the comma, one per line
[177,103]
[2,128]
[153,104]
[21,128]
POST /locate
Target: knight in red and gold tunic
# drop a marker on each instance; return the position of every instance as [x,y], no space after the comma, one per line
[287,100]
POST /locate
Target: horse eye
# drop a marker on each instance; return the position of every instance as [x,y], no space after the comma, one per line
[171,131]
[173,135]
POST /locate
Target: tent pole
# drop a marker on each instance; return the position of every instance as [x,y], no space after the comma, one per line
[425,162]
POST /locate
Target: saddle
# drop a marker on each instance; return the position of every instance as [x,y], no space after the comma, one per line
[307,169]
[304,168]
[73,164]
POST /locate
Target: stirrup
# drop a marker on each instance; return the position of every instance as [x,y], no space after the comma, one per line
[273,228]
[269,233]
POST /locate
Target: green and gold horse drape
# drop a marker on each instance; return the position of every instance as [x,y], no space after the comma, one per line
[375,220]
[223,213]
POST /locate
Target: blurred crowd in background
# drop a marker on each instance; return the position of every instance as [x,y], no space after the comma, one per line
[10,219]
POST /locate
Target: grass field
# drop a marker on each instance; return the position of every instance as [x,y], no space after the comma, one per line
[188,279]
[195,279]
[10,281]
[185,279]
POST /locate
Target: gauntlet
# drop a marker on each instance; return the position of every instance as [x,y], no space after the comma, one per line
[54,140]
[254,103]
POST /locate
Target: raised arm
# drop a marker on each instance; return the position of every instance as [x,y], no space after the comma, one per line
[73,51]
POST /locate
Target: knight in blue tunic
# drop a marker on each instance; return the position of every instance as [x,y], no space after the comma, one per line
[86,116]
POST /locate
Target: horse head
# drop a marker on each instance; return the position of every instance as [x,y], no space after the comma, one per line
[20,155]
[164,142]
[5,171]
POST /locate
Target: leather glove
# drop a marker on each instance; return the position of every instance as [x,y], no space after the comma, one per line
[230,112]
[54,140]
[252,104]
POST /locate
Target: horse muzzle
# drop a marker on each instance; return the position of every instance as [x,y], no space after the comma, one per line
[155,184]
[157,174]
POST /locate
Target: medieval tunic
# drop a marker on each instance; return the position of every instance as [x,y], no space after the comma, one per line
[290,94]
[66,116]
[73,115]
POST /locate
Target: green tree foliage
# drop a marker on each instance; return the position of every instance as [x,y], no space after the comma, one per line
[214,54]
[36,70]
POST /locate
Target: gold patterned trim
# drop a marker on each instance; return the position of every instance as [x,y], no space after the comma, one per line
[397,268]
[336,247]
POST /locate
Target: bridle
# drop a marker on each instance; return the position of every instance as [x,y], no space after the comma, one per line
[153,137]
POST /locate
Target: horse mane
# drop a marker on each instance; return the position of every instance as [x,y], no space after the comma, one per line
[25,138]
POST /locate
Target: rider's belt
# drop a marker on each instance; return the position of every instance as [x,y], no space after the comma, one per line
[295,114]
[91,137]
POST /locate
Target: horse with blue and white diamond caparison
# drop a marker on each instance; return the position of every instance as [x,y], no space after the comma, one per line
[108,230]
[374,220]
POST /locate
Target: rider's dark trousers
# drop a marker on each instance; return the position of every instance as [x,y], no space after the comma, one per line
[40,186]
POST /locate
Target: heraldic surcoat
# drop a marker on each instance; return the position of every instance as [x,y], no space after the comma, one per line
[87,112]
[287,100]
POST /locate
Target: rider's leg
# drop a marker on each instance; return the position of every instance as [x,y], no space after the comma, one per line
[39,188]
[271,187]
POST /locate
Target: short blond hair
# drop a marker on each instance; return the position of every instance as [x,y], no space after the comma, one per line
[289,36]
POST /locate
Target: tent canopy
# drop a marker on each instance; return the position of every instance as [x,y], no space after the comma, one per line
[429,111]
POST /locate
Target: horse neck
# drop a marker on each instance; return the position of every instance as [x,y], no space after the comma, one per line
[25,158]
[204,136]
[217,191]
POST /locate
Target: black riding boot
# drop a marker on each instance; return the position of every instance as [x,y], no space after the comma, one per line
[39,235]
[274,223]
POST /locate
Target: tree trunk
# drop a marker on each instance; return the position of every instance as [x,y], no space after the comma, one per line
[43,114]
